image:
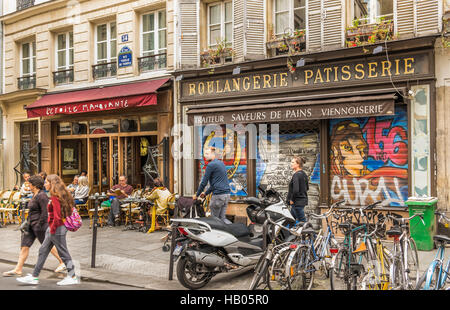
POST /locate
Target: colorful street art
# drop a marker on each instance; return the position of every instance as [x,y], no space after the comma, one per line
[231,147]
[369,159]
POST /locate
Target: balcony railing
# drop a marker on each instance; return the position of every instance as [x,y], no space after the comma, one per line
[63,77]
[152,62]
[24,4]
[27,82]
[104,70]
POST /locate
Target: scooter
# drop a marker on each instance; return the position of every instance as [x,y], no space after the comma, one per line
[211,247]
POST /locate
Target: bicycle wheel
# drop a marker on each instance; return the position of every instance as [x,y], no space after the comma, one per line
[277,278]
[300,269]
[260,278]
[339,272]
[396,274]
[429,279]
[412,268]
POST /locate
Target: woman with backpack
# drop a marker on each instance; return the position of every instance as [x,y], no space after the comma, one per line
[37,219]
[60,206]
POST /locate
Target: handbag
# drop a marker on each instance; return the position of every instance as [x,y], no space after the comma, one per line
[25,227]
[73,222]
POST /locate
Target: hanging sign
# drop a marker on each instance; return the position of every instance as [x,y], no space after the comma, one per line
[125,58]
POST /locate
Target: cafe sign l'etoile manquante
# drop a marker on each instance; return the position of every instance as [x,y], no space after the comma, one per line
[307,76]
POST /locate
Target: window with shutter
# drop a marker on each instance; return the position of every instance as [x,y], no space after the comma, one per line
[417,17]
[248,29]
[325,28]
[429,16]
[188,33]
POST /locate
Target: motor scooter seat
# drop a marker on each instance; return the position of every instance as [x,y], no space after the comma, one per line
[238,230]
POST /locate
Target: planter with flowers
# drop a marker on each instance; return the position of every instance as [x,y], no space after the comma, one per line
[289,44]
[218,56]
[363,34]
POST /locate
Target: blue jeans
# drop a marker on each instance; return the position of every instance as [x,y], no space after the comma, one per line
[80,201]
[298,213]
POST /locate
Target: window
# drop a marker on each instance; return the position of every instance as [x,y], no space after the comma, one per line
[28,59]
[153,40]
[106,43]
[220,23]
[64,51]
[371,11]
[290,15]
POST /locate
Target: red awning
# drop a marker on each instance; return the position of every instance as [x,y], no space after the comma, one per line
[97,99]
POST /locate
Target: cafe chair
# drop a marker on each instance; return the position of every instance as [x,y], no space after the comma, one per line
[11,209]
[101,211]
[125,208]
[5,201]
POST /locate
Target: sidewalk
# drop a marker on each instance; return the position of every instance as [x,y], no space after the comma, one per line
[123,257]
[130,258]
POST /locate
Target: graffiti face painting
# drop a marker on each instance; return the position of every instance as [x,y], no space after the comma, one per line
[369,159]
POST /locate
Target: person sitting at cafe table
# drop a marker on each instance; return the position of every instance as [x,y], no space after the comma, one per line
[74,185]
[81,193]
[116,193]
[159,195]
[25,189]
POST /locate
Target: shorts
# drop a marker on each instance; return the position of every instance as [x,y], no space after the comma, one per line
[27,240]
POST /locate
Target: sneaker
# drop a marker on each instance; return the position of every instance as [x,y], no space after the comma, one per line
[60,268]
[29,279]
[69,281]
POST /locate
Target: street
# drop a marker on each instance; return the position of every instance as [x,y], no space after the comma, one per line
[47,281]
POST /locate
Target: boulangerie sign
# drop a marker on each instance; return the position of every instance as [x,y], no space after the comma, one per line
[95,106]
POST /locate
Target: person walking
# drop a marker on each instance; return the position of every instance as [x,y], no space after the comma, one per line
[37,217]
[298,190]
[60,206]
[216,175]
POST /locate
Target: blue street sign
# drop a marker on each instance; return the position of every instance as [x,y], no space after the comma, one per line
[125,58]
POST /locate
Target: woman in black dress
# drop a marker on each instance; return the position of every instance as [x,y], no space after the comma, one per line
[298,190]
[37,217]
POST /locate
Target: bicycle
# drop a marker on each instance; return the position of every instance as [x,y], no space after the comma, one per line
[405,261]
[312,254]
[436,275]
[347,268]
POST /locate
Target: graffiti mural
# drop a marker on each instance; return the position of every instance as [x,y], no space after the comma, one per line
[273,164]
[231,148]
[369,159]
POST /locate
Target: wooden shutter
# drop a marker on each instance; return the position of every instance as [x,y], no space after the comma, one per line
[333,24]
[255,29]
[325,24]
[248,29]
[428,15]
[189,33]
[404,18]
[238,30]
[417,17]
[314,26]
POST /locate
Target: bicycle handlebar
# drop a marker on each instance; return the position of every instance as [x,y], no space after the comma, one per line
[403,219]
[292,231]
[328,213]
[442,216]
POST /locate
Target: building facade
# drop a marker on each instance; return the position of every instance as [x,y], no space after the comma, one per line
[354,87]
[88,87]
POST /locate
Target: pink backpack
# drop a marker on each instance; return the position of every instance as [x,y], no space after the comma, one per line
[73,222]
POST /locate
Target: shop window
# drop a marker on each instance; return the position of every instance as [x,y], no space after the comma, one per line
[64,129]
[371,11]
[70,157]
[64,58]
[149,123]
[104,126]
[420,135]
[129,125]
[231,148]
[275,150]
[80,128]
[153,41]
[369,159]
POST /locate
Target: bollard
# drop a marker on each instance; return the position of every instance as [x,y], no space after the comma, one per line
[94,232]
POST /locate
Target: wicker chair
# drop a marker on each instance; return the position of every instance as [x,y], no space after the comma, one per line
[11,209]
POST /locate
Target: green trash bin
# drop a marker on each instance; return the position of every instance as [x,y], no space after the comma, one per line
[423,234]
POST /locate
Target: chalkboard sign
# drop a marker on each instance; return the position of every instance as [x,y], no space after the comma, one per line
[125,58]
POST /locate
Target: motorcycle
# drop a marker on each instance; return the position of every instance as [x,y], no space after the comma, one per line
[209,246]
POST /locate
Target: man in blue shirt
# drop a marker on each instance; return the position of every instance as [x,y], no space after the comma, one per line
[216,175]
